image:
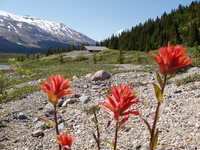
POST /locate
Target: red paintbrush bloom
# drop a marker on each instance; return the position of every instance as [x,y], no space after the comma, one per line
[120,101]
[56,87]
[172,58]
[65,141]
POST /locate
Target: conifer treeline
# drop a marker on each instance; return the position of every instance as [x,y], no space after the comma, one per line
[181,26]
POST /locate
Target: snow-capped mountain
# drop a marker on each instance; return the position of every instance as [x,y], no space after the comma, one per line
[26,31]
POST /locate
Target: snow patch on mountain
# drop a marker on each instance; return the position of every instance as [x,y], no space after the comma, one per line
[36,30]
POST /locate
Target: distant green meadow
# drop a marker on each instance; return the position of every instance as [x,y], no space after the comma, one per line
[80,65]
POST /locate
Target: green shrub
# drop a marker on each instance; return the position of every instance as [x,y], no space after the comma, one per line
[3,84]
[95,58]
[195,52]
[18,67]
[61,59]
[120,57]
[18,93]
[80,58]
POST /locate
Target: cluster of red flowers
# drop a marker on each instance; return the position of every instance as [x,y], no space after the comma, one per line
[56,87]
[120,100]
[172,58]
[65,140]
[169,59]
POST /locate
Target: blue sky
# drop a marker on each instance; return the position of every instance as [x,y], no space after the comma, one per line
[97,19]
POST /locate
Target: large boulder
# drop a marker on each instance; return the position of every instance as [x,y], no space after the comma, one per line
[100,75]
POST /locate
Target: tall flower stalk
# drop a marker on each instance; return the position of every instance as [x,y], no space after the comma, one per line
[159,95]
[116,134]
[98,141]
[170,59]
[56,87]
[93,111]
[119,102]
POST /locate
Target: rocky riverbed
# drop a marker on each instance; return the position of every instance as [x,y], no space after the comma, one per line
[179,122]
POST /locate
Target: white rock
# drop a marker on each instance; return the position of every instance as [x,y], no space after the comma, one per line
[74,77]
[84,99]
[41,125]
[61,127]
[37,133]
[48,109]
[68,101]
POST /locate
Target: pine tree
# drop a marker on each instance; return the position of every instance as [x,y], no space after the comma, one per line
[181,26]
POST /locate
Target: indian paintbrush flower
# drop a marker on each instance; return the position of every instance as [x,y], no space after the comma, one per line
[56,87]
[65,141]
[171,58]
[120,100]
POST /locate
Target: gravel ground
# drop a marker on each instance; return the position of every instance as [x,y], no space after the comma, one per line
[179,123]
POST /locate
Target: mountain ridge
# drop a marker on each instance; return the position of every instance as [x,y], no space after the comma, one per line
[30,32]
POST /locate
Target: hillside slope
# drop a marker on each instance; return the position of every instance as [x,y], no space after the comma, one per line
[181,26]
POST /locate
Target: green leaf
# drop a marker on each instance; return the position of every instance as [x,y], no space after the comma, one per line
[5,112]
[109,144]
[158,93]
[159,79]
[155,140]
[95,122]
[49,122]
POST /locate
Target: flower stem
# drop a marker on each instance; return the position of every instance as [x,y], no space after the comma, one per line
[154,126]
[98,132]
[156,118]
[116,132]
[56,122]
[164,83]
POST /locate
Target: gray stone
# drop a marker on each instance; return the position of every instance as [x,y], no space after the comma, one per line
[63,111]
[48,110]
[66,102]
[100,75]
[40,108]
[41,125]
[3,139]
[60,102]
[77,95]
[62,127]
[85,86]
[37,133]
[177,91]
[22,116]
[84,99]
[3,123]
